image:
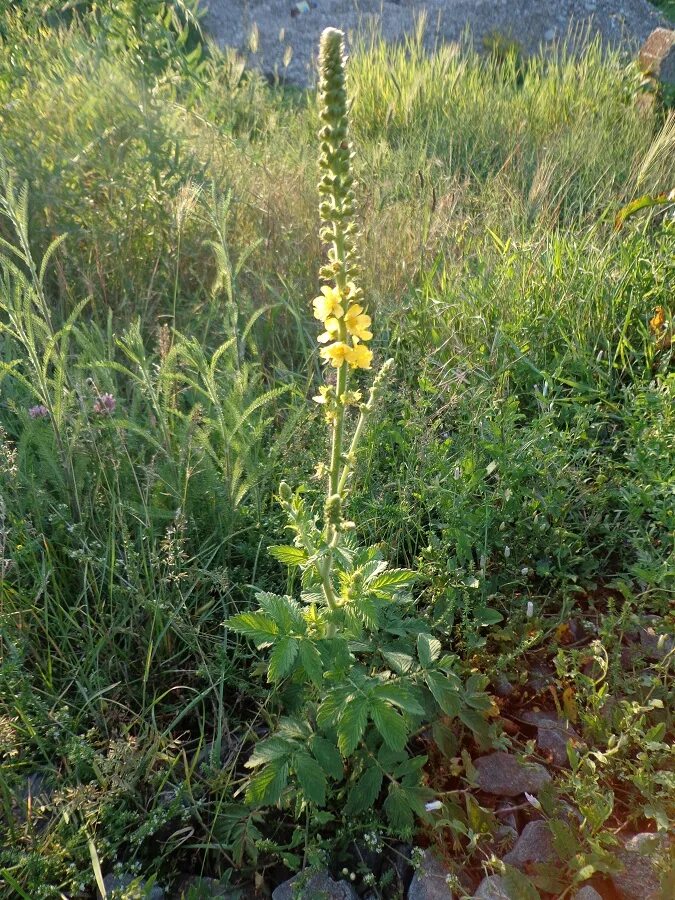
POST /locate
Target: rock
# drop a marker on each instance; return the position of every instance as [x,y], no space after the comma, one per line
[311,886]
[655,641]
[430,880]
[130,886]
[506,776]
[657,55]
[549,34]
[400,858]
[552,735]
[502,686]
[640,878]
[535,845]
[493,888]
[587,893]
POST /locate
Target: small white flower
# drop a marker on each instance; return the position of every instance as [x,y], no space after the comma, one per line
[530,609]
[532,800]
[525,570]
[457,473]
[433,805]
[507,552]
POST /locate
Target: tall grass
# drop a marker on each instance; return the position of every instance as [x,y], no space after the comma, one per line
[531,407]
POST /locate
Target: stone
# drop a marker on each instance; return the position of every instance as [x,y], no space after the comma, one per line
[535,845]
[655,641]
[506,776]
[430,880]
[657,55]
[502,686]
[552,735]
[314,886]
[640,878]
[549,34]
[130,886]
[493,888]
[587,892]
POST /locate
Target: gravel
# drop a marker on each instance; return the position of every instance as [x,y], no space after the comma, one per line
[286,44]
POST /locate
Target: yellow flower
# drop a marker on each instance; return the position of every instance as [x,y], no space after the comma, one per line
[331,332]
[328,305]
[358,323]
[360,357]
[336,353]
[657,324]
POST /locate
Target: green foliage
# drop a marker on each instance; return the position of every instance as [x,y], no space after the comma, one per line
[515,479]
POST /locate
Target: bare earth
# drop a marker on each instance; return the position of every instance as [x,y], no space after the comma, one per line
[286,45]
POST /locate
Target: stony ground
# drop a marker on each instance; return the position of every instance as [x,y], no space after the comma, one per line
[286,43]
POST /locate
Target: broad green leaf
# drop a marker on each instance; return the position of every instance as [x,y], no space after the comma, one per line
[289,556]
[398,809]
[256,626]
[390,724]
[310,659]
[268,785]
[519,885]
[269,750]
[474,721]
[428,649]
[445,693]
[328,757]
[400,662]
[445,738]
[410,766]
[365,792]
[284,611]
[485,615]
[400,695]
[331,707]
[311,777]
[389,583]
[282,658]
[352,724]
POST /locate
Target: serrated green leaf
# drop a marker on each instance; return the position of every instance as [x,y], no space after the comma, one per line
[519,885]
[389,723]
[365,792]
[474,721]
[284,611]
[367,611]
[331,707]
[409,767]
[445,738]
[398,809]
[267,751]
[401,663]
[352,724]
[328,757]
[256,626]
[268,785]
[282,658]
[310,658]
[389,583]
[445,693]
[288,555]
[311,777]
[428,649]
[400,695]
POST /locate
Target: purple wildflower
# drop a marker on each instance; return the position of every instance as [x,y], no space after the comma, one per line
[38,412]
[105,405]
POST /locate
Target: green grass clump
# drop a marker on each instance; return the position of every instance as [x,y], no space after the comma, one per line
[159,251]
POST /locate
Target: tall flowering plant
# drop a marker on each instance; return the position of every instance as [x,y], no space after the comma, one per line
[365,671]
